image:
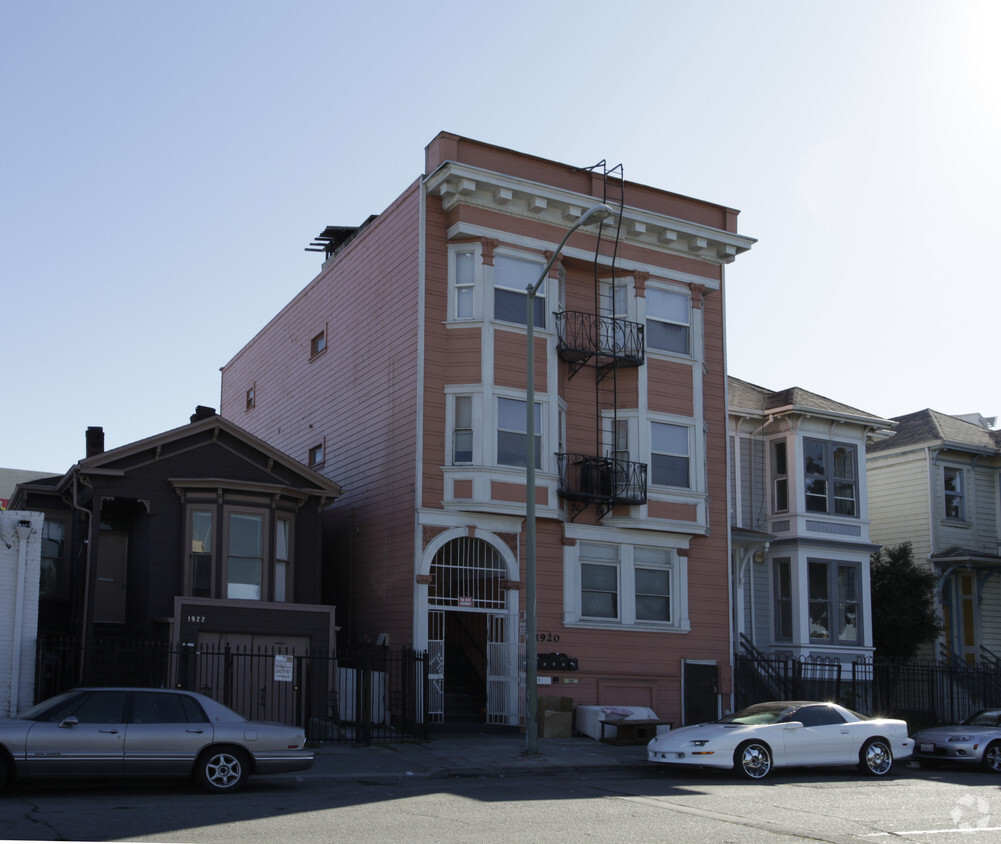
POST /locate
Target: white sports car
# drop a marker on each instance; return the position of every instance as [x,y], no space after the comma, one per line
[754,740]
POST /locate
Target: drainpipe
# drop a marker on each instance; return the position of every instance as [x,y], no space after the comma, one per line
[86,579]
[23,531]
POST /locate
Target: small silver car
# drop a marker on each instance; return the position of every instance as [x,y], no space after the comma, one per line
[133,732]
[975,741]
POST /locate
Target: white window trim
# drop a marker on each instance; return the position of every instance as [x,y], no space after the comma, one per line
[694,325]
[267,550]
[475,393]
[477,251]
[696,466]
[627,541]
[289,560]
[548,291]
[964,495]
[542,432]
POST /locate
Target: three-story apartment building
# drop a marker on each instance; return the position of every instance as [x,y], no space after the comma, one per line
[400,370]
[799,524]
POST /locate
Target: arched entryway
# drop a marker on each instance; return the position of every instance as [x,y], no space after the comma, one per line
[472,639]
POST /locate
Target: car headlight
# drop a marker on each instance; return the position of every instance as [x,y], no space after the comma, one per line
[700,742]
[960,738]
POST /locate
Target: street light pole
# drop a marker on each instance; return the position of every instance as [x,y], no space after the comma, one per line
[595,213]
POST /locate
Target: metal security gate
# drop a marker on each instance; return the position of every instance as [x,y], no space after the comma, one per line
[502,692]
[436,667]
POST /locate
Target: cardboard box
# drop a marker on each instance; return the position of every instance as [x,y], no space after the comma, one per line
[555,716]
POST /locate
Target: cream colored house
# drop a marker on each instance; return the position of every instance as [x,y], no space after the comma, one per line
[937,484]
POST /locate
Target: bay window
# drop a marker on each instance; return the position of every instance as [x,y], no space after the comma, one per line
[955,498]
[830,477]
[623,584]
[668,321]
[512,278]
[245,556]
[835,602]
[670,455]
[511,433]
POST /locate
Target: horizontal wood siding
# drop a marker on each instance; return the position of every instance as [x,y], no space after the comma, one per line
[898,501]
[671,387]
[359,399]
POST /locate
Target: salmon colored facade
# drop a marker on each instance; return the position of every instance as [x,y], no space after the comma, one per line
[400,372]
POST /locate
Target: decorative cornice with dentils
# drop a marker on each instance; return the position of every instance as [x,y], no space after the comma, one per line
[459,184]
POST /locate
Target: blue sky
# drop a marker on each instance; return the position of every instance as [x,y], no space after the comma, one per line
[165,164]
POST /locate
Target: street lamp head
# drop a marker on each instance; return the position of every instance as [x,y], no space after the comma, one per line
[595,214]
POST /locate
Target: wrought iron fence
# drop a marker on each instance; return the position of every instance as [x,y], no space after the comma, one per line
[361,695]
[923,693]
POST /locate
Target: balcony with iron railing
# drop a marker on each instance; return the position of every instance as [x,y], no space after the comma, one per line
[603,341]
[606,481]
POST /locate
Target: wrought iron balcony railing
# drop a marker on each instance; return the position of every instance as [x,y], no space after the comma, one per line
[611,341]
[586,478]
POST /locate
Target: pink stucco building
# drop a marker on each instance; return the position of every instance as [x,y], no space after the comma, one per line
[399,371]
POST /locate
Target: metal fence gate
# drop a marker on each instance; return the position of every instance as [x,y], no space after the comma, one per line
[361,695]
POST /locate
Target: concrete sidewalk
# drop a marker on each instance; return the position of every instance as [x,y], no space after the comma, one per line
[455,754]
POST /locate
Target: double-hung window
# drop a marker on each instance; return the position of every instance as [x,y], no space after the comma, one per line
[462,430]
[613,308]
[835,602]
[668,321]
[830,477]
[52,581]
[782,572]
[955,497]
[201,553]
[512,278]
[780,477]
[599,581]
[464,284]
[670,455]
[245,556]
[283,558]
[625,584]
[511,432]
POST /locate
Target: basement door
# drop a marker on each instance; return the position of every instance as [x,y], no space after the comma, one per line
[701,692]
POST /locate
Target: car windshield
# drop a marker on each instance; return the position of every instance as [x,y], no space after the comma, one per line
[761,713]
[37,712]
[985,718]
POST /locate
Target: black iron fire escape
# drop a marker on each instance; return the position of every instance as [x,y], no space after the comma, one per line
[603,341]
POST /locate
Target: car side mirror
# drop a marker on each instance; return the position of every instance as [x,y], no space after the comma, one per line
[69,722]
[794,725]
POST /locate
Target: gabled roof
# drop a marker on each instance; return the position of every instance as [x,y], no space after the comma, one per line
[750,398]
[931,428]
[207,428]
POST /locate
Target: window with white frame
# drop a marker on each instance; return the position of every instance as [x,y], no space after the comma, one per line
[670,455]
[613,307]
[512,278]
[462,430]
[464,283]
[955,496]
[830,477]
[245,556]
[780,477]
[782,572]
[201,555]
[511,432]
[283,558]
[625,584]
[835,602]
[668,321]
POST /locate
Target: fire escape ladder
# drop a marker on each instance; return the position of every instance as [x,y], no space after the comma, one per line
[604,341]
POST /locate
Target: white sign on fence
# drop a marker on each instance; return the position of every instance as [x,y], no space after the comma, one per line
[283,668]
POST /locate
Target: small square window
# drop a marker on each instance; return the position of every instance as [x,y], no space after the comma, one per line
[318,344]
[316,455]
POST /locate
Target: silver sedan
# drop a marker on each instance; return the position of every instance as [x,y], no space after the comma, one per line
[134,732]
[975,741]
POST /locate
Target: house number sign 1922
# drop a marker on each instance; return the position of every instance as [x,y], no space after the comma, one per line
[196,619]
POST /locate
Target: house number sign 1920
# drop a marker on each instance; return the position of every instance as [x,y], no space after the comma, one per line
[546,636]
